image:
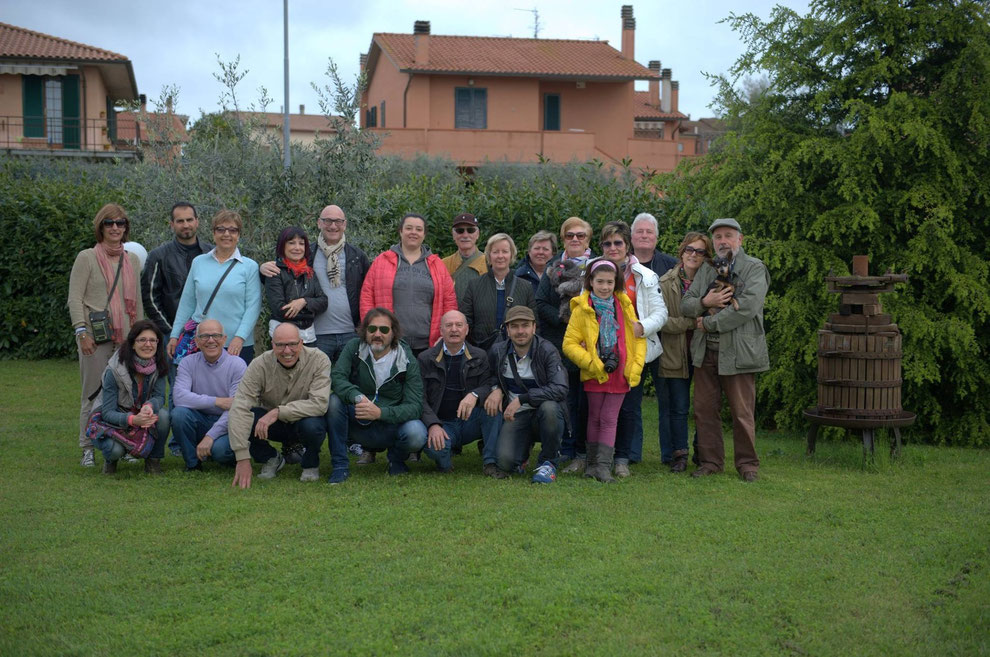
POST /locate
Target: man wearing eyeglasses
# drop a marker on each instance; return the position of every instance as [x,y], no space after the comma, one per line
[203,392]
[377,395]
[468,263]
[282,397]
[340,268]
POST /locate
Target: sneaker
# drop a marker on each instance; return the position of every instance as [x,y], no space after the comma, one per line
[355,449]
[173,447]
[338,476]
[130,459]
[271,467]
[577,464]
[366,458]
[622,470]
[545,474]
[88,460]
[702,472]
[310,474]
[414,457]
[397,468]
[293,454]
[491,470]
[522,467]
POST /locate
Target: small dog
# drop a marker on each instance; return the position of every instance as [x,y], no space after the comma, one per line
[567,280]
[722,280]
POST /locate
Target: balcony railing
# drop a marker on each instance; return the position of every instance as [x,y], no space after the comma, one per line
[67,136]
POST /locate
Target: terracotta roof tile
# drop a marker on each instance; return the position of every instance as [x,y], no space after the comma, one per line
[19,42]
[511,56]
[297,122]
[642,109]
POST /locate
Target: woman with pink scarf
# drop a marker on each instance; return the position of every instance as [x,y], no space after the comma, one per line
[93,277]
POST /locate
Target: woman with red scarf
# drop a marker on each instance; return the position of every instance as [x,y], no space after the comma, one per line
[295,295]
[90,284]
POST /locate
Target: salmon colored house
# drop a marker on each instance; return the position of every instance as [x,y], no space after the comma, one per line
[478,99]
[57,97]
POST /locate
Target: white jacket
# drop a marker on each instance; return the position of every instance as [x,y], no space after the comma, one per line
[650,309]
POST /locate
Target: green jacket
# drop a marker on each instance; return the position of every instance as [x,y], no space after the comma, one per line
[673,335]
[400,397]
[742,341]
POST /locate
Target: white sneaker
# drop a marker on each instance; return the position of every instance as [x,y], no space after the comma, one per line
[130,459]
[310,474]
[88,460]
[271,468]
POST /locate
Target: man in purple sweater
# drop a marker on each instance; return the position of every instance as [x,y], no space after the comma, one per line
[203,391]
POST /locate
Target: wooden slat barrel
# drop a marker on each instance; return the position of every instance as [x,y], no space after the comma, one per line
[859,375]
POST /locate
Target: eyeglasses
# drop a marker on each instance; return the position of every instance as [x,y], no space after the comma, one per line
[334,222]
[120,223]
[691,249]
[379,329]
[146,341]
[283,345]
[460,230]
[617,244]
[221,230]
[208,337]
[575,236]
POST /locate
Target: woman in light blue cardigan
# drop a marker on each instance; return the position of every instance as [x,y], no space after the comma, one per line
[238,300]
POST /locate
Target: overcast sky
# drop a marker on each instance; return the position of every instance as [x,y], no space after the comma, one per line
[178,41]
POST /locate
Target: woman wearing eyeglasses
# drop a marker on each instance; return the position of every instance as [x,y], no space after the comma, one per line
[562,280]
[222,285]
[674,382]
[132,416]
[90,284]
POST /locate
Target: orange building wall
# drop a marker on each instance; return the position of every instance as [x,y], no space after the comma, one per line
[387,84]
[513,103]
[604,108]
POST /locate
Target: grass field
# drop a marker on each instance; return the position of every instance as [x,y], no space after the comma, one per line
[820,557]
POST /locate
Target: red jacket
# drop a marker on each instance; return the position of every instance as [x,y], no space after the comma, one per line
[377,289]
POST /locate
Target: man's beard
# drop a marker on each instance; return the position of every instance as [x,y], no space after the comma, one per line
[378,347]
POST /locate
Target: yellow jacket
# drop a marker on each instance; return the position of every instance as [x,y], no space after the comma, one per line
[581,341]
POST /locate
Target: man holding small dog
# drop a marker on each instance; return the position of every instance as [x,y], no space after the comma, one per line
[728,348]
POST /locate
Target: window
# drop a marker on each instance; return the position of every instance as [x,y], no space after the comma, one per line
[551,111]
[373,117]
[382,117]
[51,109]
[470,108]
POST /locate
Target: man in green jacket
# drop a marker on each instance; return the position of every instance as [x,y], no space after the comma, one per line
[728,348]
[377,395]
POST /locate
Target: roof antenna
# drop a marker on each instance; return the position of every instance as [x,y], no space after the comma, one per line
[536,20]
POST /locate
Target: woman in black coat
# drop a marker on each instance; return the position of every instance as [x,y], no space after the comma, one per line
[294,295]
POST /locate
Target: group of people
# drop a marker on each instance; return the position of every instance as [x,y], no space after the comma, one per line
[412,354]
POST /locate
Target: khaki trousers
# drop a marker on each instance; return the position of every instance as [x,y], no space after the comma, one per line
[91,370]
[740,390]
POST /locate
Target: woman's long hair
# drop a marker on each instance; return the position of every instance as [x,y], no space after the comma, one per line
[127,348]
[287,234]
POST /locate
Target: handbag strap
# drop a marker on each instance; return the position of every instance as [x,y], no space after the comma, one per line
[515,370]
[120,263]
[217,288]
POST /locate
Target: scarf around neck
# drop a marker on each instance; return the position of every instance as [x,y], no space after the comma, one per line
[331,251]
[299,269]
[146,366]
[608,327]
[127,283]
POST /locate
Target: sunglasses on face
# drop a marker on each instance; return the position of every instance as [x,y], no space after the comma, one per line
[691,249]
[222,230]
[460,230]
[617,244]
[115,222]
[379,329]
[575,236]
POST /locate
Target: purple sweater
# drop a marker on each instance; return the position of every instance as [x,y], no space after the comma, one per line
[198,383]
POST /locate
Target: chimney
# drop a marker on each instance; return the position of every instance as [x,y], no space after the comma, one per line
[655,83]
[628,32]
[144,102]
[675,91]
[363,62]
[421,38]
[665,91]
[302,109]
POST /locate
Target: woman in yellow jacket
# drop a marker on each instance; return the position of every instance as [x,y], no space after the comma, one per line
[600,341]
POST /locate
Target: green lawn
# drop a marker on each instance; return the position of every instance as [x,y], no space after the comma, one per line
[819,557]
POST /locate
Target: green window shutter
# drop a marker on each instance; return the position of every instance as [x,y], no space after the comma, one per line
[71,121]
[33,96]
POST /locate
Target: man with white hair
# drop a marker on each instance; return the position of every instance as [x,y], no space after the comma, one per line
[645,233]
[728,348]
[283,396]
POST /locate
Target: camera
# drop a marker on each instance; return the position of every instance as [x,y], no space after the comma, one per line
[611,362]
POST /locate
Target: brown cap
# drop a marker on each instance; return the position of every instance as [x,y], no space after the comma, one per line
[517,313]
[465,218]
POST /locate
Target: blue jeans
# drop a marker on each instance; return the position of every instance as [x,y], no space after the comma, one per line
[478,426]
[333,343]
[629,430]
[673,399]
[113,451]
[309,431]
[399,439]
[577,410]
[189,426]
[544,424]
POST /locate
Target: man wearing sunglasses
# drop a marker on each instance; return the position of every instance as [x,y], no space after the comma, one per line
[468,263]
[377,395]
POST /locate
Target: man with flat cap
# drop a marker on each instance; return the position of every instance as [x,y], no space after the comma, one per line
[728,348]
[468,263]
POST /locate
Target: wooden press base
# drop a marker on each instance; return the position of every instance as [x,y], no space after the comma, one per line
[866,426]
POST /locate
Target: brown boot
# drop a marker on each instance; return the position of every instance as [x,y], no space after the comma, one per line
[680,461]
[591,459]
[603,471]
[153,466]
[109,467]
